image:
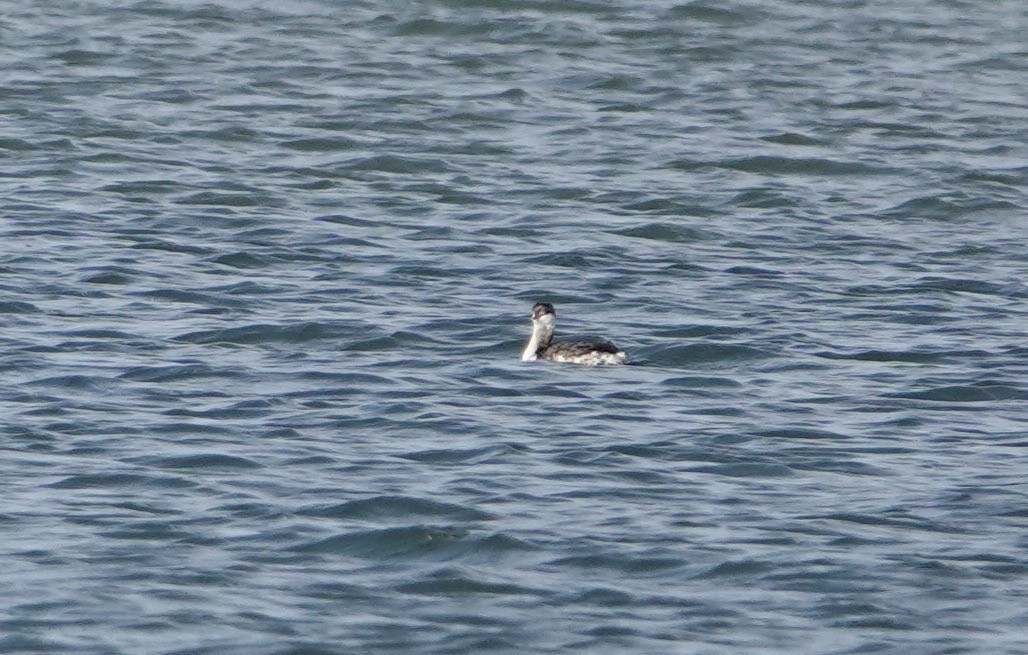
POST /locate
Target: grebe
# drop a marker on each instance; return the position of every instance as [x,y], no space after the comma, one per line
[539,346]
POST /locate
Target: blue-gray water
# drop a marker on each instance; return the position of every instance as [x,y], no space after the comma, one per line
[265,272]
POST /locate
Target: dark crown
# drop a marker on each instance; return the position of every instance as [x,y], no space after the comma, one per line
[542,309]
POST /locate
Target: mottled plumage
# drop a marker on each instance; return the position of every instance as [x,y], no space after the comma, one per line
[541,346]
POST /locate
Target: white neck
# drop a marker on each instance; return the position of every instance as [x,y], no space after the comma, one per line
[542,332]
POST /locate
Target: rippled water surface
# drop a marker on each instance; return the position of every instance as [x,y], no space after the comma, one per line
[266,267]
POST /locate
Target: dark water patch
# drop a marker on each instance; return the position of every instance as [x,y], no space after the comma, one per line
[204,461]
[794,139]
[248,288]
[699,353]
[175,373]
[407,541]
[147,531]
[145,187]
[406,507]
[78,57]
[149,509]
[753,271]
[244,260]
[959,285]
[361,244]
[801,434]
[178,428]
[664,232]
[17,307]
[747,470]
[449,582]
[360,380]
[239,410]
[747,568]
[134,346]
[721,410]
[1013,177]
[456,455]
[431,233]
[883,291]
[427,272]
[647,451]
[565,260]
[416,338]
[693,331]
[519,232]
[706,12]
[558,391]
[72,382]
[635,564]
[1012,571]
[444,194]
[627,395]
[377,344]
[494,391]
[217,199]
[777,165]
[17,145]
[426,27]
[764,199]
[324,144]
[343,219]
[120,133]
[99,333]
[266,333]
[26,643]
[224,134]
[896,520]
[319,185]
[340,591]
[659,206]
[902,422]
[270,239]
[602,597]
[884,623]
[172,96]
[701,382]
[54,409]
[930,207]
[906,356]
[118,480]
[177,296]
[841,465]
[979,392]
[401,165]
[111,276]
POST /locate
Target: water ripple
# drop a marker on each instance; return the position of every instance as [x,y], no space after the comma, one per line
[265,274]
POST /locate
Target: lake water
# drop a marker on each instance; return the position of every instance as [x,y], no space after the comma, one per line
[266,269]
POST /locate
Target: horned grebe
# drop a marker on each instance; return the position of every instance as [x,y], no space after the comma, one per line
[539,346]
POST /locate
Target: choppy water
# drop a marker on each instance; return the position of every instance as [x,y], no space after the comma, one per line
[265,272]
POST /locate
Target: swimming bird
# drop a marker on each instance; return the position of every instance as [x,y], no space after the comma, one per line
[541,346]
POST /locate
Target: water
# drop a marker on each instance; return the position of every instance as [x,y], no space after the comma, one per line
[265,272]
